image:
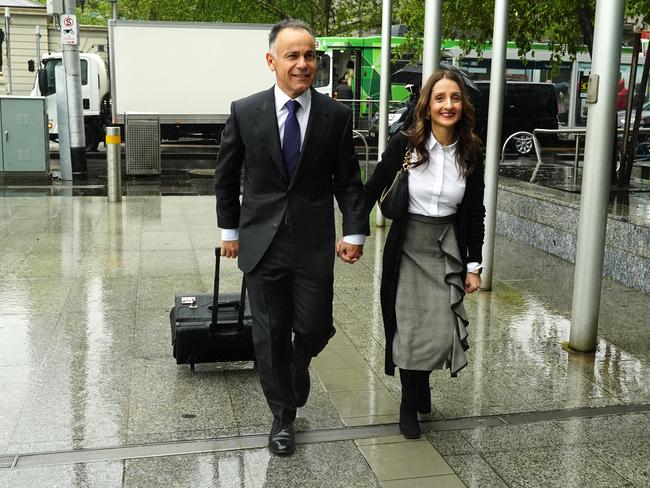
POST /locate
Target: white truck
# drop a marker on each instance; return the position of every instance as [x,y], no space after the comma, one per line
[94,92]
[187,73]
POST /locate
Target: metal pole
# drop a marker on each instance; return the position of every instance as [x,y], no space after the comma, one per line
[573,95]
[65,159]
[432,38]
[38,48]
[111,64]
[384,88]
[576,156]
[625,143]
[595,180]
[115,10]
[113,164]
[637,120]
[8,44]
[493,146]
[75,110]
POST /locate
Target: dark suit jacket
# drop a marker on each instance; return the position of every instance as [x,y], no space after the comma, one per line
[328,167]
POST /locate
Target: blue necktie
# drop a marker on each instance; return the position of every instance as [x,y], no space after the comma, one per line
[291,139]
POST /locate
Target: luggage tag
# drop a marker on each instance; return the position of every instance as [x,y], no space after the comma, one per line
[191,301]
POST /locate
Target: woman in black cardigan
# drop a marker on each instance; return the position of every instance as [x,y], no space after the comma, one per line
[432,256]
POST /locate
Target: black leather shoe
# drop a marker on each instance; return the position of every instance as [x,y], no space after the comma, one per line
[282,439]
[301,384]
[408,422]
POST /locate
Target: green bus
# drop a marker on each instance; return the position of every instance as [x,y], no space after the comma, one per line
[357,59]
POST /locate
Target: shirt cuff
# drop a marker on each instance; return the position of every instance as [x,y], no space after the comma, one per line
[356,239]
[474,267]
[230,234]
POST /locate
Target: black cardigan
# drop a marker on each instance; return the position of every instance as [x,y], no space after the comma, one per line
[469,224]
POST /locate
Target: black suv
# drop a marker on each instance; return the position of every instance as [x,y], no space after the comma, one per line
[527,106]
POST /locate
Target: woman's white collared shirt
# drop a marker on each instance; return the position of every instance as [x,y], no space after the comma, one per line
[436,187]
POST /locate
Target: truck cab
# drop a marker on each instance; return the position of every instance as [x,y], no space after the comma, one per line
[95,90]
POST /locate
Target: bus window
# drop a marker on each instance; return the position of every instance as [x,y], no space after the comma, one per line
[323,71]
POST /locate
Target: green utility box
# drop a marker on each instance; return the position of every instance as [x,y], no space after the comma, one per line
[24,141]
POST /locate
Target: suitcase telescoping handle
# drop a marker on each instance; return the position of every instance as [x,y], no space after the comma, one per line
[215,296]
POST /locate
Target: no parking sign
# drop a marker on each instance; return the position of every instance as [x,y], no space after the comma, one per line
[69,29]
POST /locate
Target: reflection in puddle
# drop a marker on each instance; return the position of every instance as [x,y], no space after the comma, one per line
[530,337]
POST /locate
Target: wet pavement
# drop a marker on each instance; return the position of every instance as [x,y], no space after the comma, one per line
[90,395]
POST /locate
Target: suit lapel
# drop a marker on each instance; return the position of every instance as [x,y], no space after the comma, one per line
[267,125]
[316,126]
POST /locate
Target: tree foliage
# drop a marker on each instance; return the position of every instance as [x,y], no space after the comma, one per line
[328,17]
[566,26]
[555,22]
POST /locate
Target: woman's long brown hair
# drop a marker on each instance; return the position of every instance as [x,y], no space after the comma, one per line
[469,144]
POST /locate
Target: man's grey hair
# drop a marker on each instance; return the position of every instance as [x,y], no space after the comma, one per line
[288,24]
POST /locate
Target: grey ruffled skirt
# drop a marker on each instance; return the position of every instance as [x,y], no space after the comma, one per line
[431,320]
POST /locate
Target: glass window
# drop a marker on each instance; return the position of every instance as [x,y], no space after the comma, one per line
[323,71]
[51,65]
[84,72]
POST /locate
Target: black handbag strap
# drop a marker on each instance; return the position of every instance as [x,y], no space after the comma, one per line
[215,296]
[406,162]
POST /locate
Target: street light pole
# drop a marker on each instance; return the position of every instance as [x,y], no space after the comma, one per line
[432,38]
[384,88]
[115,9]
[38,47]
[493,146]
[8,44]
[73,82]
[590,250]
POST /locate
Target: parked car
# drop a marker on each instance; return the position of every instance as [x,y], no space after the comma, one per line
[411,77]
[395,122]
[645,116]
[526,106]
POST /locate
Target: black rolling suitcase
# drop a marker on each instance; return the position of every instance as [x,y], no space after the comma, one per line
[212,328]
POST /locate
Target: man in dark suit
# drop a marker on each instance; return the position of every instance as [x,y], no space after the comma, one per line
[296,148]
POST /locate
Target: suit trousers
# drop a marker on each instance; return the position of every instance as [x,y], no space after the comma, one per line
[285,298]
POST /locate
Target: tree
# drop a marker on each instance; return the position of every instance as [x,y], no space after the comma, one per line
[328,17]
[565,25]
[555,22]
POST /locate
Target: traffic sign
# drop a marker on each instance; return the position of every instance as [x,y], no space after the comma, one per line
[69,31]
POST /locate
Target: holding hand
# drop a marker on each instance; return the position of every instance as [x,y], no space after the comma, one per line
[349,253]
[472,282]
[229,249]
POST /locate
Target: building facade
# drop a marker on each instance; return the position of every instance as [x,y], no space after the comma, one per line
[20,36]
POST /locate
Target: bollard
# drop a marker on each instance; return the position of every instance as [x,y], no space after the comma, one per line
[113,164]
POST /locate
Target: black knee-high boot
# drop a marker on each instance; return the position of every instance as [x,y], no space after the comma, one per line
[408,409]
[424,392]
